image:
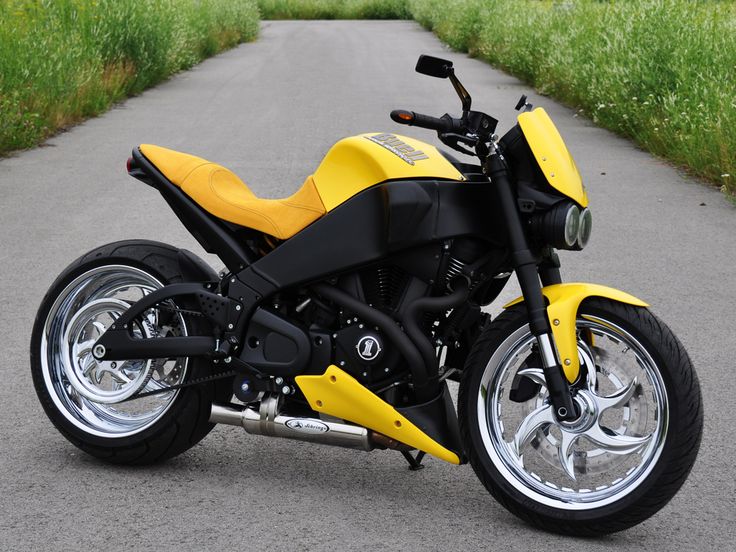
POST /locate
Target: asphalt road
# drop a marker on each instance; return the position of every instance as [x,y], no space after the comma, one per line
[270,110]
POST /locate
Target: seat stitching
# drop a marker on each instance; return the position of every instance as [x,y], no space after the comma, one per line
[241,207]
[301,206]
[194,169]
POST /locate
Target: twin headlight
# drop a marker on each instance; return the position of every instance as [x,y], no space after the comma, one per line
[564,226]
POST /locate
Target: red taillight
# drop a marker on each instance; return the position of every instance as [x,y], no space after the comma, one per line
[129,164]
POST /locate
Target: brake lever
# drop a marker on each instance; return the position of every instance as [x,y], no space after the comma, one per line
[453,140]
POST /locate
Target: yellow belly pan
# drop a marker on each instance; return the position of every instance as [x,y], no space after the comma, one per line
[351,166]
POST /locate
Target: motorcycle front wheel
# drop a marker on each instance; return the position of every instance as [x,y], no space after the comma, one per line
[627,454]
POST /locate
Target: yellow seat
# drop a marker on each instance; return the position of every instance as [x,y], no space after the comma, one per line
[220,192]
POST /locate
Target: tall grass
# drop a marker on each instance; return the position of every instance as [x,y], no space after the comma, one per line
[334,9]
[662,72]
[64,60]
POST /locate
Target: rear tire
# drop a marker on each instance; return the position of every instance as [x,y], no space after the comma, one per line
[122,432]
[627,460]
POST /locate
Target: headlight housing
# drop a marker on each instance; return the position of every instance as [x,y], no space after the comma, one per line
[564,226]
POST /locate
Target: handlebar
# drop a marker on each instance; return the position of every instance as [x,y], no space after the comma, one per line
[443,124]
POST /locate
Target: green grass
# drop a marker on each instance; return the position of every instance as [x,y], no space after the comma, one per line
[334,9]
[662,72]
[64,60]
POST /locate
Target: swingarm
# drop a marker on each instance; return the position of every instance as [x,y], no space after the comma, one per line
[225,314]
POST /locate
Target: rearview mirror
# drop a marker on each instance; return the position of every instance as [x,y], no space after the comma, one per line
[434,67]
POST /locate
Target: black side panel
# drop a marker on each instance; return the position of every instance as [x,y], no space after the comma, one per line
[412,213]
[208,231]
[275,346]
[349,236]
[391,217]
[470,209]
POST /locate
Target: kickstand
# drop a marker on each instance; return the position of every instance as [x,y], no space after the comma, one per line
[415,463]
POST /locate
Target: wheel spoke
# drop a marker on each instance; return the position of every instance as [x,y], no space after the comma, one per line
[539,418]
[618,399]
[613,442]
[534,374]
[565,452]
[118,375]
[88,364]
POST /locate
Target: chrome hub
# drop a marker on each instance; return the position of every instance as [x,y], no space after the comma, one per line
[588,414]
[106,382]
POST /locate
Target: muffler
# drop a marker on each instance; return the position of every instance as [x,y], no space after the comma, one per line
[270,421]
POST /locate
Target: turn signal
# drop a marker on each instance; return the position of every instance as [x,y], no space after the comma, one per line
[402,116]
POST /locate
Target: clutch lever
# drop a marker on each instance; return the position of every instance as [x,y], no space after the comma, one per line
[454,140]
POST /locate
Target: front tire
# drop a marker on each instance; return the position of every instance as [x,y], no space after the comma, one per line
[86,399]
[627,455]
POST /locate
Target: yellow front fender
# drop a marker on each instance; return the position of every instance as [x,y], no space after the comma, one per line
[562,310]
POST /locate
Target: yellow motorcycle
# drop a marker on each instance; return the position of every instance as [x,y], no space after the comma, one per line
[344,310]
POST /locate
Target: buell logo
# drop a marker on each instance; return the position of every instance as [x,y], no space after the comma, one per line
[398,147]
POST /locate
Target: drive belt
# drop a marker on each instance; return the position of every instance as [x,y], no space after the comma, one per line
[196,381]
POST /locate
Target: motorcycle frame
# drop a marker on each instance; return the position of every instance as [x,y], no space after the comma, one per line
[388,218]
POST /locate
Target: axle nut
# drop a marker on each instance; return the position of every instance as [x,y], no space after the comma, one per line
[98,352]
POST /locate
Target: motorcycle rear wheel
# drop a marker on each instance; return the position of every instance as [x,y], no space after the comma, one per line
[624,458]
[86,399]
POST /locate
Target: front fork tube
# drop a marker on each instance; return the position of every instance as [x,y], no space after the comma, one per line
[527,271]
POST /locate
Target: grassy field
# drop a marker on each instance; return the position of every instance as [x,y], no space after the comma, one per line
[662,72]
[334,9]
[65,60]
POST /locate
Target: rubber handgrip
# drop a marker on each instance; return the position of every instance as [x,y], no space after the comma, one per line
[425,121]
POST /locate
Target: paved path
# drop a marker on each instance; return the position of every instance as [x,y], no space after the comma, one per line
[270,110]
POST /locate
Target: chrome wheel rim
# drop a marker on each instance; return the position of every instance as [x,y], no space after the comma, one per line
[98,396]
[602,456]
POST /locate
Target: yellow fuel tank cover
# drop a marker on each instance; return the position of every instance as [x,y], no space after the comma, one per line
[338,394]
[356,163]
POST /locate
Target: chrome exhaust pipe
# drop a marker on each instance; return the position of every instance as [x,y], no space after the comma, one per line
[268,420]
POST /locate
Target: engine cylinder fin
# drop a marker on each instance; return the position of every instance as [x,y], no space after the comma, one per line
[384,286]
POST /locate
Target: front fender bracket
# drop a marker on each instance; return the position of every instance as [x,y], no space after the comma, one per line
[562,309]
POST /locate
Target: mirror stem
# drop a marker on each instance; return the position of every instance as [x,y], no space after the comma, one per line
[460,89]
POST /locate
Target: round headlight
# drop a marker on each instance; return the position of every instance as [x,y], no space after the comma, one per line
[572,225]
[584,228]
[558,227]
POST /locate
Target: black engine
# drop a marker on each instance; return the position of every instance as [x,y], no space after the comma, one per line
[306,332]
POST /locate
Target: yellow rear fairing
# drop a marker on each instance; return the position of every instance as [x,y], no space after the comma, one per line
[359,162]
[552,154]
[338,394]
